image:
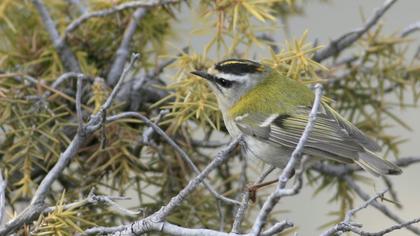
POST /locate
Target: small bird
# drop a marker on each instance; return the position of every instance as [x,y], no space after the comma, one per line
[271,111]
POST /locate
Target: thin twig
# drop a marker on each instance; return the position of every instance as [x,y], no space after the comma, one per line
[382,208]
[93,199]
[79,101]
[350,213]
[344,41]
[240,212]
[177,148]
[66,55]
[278,228]
[294,161]
[155,222]
[411,28]
[3,185]
[123,50]
[102,13]
[347,226]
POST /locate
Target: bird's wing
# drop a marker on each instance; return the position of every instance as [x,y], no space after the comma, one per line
[328,137]
[352,130]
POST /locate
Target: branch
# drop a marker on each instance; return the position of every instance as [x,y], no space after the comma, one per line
[350,213]
[155,222]
[102,13]
[123,50]
[93,199]
[240,212]
[171,229]
[177,148]
[382,208]
[79,100]
[411,29]
[347,226]
[37,205]
[286,174]
[66,55]
[344,41]
[3,185]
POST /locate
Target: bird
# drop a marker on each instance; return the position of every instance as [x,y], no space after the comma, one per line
[271,110]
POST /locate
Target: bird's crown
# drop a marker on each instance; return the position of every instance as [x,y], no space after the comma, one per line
[238,67]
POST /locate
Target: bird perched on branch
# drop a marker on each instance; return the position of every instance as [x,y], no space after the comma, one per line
[272,111]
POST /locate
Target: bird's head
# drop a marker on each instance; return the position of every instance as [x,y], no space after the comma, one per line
[233,78]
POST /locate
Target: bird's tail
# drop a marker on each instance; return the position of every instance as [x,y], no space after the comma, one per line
[375,165]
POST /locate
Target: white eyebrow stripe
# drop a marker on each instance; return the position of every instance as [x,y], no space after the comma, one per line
[231,77]
[269,120]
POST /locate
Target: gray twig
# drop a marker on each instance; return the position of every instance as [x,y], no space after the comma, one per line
[382,208]
[171,142]
[3,185]
[240,212]
[165,227]
[277,228]
[155,222]
[295,158]
[123,50]
[79,101]
[66,55]
[350,213]
[102,13]
[344,41]
[347,226]
[93,199]
[411,28]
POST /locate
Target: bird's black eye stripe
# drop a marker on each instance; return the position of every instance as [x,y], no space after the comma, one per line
[224,82]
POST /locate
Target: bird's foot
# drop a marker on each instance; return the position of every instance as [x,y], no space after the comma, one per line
[252,190]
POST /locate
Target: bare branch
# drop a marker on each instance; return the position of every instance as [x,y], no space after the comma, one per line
[350,213]
[3,185]
[277,228]
[240,212]
[66,55]
[79,100]
[93,199]
[347,226]
[296,156]
[62,78]
[123,50]
[382,208]
[124,6]
[411,29]
[155,222]
[344,41]
[177,148]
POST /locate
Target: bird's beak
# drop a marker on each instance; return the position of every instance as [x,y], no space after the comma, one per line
[203,75]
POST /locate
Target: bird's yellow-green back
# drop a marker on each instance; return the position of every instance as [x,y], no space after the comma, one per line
[275,94]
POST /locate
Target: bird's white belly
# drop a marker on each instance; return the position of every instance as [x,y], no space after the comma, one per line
[254,148]
[273,155]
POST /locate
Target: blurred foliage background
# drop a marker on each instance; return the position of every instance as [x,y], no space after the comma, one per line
[38,117]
